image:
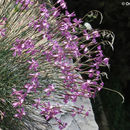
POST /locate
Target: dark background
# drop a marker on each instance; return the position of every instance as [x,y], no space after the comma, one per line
[117,19]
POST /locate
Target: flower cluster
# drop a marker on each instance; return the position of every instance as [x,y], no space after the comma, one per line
[23,45]
[59,44]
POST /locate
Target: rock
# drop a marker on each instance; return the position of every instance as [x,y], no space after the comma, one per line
[34,121]
[79,122]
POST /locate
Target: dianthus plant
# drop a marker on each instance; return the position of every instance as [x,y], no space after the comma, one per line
[44,50]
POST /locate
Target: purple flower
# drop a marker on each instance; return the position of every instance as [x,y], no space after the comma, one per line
[34,64]
[77,22]
[16,104]
[99,47]
[2,32]
[37,103]
[29,87]
[106,61]
[96,34]
[85,86]
[61,124]
[28,44]
[66,98]
[22,45]
[87,113]
[45,24]
[96,64]
[99,88]
[20,113]
[69,15]
[49,111]
[44,11]
[55,12]
[17,49]
[35,76]
[74,113]
[64,26]
[62,4]
[102,84]
[17,93]
[73,98]
[50,89]
[20,98]
[86,49]
[91,73]
[94,40]
[86,35]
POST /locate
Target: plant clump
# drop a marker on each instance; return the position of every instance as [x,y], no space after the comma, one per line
[43,51]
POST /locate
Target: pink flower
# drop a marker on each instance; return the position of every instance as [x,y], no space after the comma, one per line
[69,15]
[96,34]
[17,93]
[55,12]
[106,61]
[20,113]
[35,76]
[34,64]
[49,111]
[62,4]
[77,22]
[50,89]
[2,32]
[86,35]
[17,49]
[44,11]
[29,87]
[16,104]
[87,113]
[37,103]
